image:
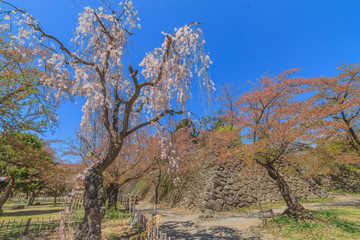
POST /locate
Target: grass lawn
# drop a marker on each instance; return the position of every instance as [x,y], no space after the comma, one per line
[45,210]
[332,223]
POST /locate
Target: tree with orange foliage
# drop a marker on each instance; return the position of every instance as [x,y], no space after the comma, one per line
[336,105]
[333,116]
[270,118]
[60,178]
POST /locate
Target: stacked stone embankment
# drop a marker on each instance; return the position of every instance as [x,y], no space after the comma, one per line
[221,188]
[233,187]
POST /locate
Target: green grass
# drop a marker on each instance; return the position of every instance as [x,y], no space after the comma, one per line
[341,191]
[266,206]
[316,200]
[333,223]
[331,190]
[45,210]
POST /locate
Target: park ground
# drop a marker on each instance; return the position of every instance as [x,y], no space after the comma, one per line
[335,218]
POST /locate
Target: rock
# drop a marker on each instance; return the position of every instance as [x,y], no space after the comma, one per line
[227,207]
[221,174]
[236,200]
[221,201]
[210,196]
[219,188]
[230,181]
[236,187]
[242,204]
[248,199]
[213,205]
[218,194]
[230,202]
[18,207]
[226,193]
[217,183]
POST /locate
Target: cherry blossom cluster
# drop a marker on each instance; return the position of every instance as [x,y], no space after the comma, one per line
[171,67]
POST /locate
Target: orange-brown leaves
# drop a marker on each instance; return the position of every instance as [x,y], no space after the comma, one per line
[336,103]
[270,116]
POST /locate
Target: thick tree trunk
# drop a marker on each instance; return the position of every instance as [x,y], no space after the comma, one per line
[6,194]
[94,199]
[55,197]
[30,198]
[33,195]
[157,186]
[112,192]
[94,195]
[294,208]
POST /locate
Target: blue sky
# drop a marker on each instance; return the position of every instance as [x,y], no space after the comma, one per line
[245,38]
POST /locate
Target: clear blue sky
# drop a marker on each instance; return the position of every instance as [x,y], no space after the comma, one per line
[245,38]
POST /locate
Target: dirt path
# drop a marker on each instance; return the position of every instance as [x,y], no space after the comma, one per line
[183,224]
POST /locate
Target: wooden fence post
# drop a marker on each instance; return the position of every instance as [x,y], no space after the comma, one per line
[7,226]
[26,231]
[2,224]
[41,223]
[19,227]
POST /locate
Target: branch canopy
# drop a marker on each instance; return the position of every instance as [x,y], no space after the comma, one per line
[91,66]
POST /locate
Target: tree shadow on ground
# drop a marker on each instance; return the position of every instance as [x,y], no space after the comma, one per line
[190,230]
[30,212]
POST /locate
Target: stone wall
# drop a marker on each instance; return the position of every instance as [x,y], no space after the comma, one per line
[342,179]
[228,188]
[222,188]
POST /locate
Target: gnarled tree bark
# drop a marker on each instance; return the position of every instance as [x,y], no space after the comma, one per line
[294,208]
[112,192]
[94,199]
[6,194]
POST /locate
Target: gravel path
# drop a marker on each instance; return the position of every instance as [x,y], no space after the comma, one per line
[184,224]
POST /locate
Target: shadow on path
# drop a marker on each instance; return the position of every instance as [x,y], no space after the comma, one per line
[190,230]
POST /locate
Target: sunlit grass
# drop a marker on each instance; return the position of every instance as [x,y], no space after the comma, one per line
[266,206]
[46,210]
[332,223]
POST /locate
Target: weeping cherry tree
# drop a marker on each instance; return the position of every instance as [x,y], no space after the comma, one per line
[119,99]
